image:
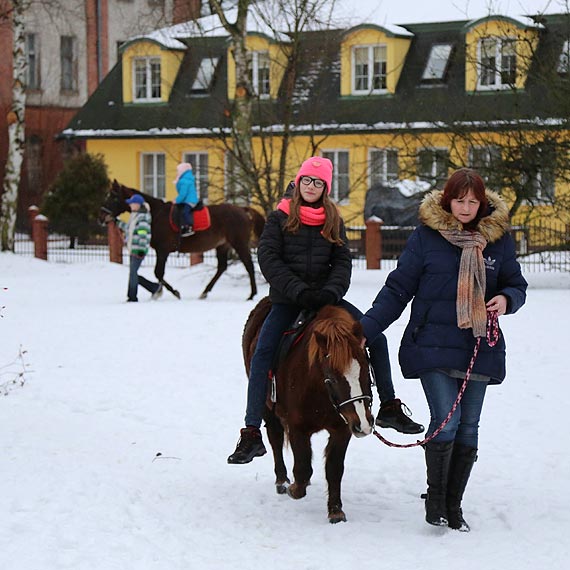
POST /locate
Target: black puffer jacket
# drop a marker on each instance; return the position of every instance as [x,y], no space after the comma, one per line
[293,262]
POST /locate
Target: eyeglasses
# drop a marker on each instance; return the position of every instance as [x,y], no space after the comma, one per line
[317,182]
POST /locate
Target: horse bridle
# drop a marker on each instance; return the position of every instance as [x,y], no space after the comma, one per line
[329,382]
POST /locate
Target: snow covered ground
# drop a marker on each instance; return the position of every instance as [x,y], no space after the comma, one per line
[114,449]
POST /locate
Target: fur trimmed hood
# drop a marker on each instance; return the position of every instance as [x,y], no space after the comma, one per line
[492,226]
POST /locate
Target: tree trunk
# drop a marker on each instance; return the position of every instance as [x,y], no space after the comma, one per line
[16,132]
[242,112]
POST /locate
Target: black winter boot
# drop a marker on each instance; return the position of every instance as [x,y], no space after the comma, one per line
[250,445]
[396,415]
[438,458]
[462,461]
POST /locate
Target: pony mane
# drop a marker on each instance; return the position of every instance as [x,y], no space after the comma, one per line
[338,327]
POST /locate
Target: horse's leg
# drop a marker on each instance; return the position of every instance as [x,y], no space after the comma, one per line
[244,254]
[302,469]
[159,268]
[222,255]
[276,436]
[334,469]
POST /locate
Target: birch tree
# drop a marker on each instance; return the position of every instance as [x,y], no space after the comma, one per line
[262,178]
[16,128]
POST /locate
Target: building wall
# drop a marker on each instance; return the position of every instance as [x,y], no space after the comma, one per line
[99,26]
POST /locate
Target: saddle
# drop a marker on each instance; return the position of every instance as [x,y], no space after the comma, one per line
[201,217]
[289,339]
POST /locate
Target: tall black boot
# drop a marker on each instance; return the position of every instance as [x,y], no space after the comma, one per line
[438,458]
[462,462]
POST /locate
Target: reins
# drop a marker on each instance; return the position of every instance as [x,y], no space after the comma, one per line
[492,337]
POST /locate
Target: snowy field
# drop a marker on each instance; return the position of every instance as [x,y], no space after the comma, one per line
[114,448]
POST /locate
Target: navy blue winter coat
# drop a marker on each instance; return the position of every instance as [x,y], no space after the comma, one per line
[427,272]
[293,262]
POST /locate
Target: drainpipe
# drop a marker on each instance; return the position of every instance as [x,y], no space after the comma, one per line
[99,28]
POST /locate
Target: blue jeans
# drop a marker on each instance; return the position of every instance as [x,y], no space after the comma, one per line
[441,392]
[280,318]
[135,279]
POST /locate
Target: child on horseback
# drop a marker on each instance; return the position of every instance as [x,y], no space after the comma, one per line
[187,196]
[303,253]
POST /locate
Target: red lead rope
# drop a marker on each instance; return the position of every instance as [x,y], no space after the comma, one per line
[492,339]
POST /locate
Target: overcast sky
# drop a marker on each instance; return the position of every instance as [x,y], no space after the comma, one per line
[414,11]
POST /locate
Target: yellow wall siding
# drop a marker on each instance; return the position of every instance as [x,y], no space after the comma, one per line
[123,158]
[525,47]
[396,50]
[170,61]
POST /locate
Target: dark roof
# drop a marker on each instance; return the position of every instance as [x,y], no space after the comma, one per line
[317,101]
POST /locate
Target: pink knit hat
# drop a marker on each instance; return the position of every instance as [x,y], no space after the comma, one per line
[181,169]
[317,167]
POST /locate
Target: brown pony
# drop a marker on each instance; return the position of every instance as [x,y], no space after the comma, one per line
[322,383]
[231,227]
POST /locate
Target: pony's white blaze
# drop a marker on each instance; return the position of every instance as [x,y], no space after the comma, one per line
[353,378]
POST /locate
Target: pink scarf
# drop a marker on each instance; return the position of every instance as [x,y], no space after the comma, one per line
[309,216]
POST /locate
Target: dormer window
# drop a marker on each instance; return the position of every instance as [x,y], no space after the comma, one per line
[437,64]
[146,74]
[205,74]
[564,60]
[259,63]
[497,63]
[369,69]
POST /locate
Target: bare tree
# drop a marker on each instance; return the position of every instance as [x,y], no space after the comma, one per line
[16,128]
[261,177]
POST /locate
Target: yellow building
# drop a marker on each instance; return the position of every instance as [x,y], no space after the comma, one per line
[385,103]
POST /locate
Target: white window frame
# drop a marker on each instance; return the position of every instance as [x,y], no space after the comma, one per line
[371,72]
[340,191]
[382,174]
[205,74]
[260,72]
[437,63]
[33,76]
[434,176]
[564,60]
[68,64]
[232,193]
[489,155]
[497,74]
[153,182]
[199,162]
[150,76]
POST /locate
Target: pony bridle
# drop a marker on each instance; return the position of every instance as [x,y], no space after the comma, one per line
[329,382]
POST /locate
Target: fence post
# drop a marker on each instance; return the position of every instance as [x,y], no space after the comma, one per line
[33,211]
[40,233]
[115,240]
[373,243]
[196,258]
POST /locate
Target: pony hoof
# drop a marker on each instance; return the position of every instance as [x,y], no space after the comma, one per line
[296,491]
[203,296]
[176,294]
[336,517]
[281,487]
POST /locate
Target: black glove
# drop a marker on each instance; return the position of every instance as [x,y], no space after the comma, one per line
[326,298]
[310,299]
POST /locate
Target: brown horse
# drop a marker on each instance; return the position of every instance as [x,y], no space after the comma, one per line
[231,227]
[322,383]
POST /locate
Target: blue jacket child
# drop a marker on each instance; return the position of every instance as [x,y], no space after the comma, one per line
[185,183]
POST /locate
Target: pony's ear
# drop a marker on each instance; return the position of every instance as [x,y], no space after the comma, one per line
[321,341]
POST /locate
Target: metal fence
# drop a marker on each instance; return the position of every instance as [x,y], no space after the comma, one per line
[542,247]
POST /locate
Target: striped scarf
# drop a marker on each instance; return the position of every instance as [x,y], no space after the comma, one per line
[471,309]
